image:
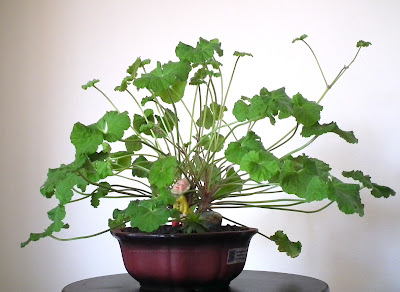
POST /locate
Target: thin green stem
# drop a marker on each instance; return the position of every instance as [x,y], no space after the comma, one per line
[132,179]
[109,100]
[193,123]
[281,139]
[277,208]
[248,205]
[110,188]
[162,112]
[316,59]
[300,148]
[284,142]
[260,202]
[145,117]
[224,99]
[80,199]
[82,237]
[267,237]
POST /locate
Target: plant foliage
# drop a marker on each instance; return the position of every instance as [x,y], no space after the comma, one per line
[172,175]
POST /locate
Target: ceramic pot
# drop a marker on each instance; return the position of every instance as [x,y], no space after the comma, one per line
[190,261]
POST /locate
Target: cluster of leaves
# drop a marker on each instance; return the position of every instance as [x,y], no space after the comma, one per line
[306,177]
[253,169]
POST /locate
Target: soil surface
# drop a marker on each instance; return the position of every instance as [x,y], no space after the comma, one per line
[168,229]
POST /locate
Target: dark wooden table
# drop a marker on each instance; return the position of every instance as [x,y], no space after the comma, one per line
[248,281]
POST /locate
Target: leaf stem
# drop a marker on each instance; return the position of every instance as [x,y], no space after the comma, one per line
[109,100]
[82,237]
[267,237]
[316,59]
[300,148]
[275,146]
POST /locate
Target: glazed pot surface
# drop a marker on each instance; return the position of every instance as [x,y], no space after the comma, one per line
[164,261]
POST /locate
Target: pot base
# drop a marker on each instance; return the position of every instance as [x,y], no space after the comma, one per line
[218,287]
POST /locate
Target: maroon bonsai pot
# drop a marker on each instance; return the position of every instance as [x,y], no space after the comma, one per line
[164,262]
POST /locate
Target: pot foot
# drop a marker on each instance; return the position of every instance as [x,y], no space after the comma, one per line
[219,287]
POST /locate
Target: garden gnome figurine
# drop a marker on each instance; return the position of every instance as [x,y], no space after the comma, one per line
[179,189]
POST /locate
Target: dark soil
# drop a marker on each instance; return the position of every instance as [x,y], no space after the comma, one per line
[168,229]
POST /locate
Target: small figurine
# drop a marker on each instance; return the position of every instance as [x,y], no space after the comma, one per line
[179,189]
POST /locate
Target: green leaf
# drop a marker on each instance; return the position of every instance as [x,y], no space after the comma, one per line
[113,125]
[236,150]
[141,167]
[90,84]
[306,112]
[280,103]
[139,120]
[132,69]
[180,70]
[206,118]
[347,197]
[203,52]
[292,249]
[106,147]
[230,184]
[163,171]
[363,44]
[156,80]
[258,107]
[121,160]
[124,84]
[64,192]
[103,169]
[214,142]
[261,165]
[86,139]
[147,127]
[377,191]
[318,129]
[147,99]
[267,104]
[168,121]
[56,215]
[241,110]
[300,38]
[99,193]
[98,166]
[193,223]
[60,181]
[165,197]
[217,110]
[167,81]
[241,54]
[174,93]
[210,174]
[147,219]
[200,75]
[119,219]
[133,143]
[305,177]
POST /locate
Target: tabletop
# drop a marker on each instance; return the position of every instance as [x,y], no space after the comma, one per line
[247,281]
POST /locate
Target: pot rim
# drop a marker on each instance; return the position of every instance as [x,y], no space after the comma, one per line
[118,232]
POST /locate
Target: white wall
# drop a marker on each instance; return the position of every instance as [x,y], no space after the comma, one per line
[49,48]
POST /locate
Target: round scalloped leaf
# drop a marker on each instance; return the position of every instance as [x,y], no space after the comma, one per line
[163,171]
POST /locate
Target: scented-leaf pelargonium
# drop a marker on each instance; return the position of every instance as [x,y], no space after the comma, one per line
[188,150]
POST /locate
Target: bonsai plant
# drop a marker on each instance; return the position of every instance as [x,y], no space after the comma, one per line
[182,159]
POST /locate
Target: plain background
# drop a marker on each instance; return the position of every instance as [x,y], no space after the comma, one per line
[49,48]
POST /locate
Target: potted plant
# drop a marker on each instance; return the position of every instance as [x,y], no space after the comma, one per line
[181,160]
